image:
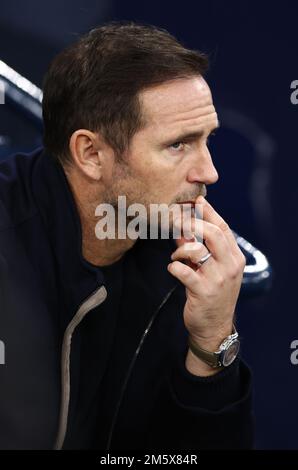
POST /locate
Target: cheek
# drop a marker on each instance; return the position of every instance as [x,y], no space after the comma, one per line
[153,179]
[162,183]
[127,182]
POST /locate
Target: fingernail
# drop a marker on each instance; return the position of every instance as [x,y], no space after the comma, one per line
[189,236]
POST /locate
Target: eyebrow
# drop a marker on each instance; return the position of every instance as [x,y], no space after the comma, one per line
[190,135]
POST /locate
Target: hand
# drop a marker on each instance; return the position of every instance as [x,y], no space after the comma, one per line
[212,290]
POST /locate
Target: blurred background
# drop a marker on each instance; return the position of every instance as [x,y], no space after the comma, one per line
[253,50]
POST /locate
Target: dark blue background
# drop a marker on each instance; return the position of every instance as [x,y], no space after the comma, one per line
[253,49]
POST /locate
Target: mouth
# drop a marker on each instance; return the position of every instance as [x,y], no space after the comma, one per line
[188,202]
[192,205]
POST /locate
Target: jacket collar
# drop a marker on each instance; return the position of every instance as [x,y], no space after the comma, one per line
[77,278]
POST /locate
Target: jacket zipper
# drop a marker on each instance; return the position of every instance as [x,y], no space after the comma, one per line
[94,300]
[131,366]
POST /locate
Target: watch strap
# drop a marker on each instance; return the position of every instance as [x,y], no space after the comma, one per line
[213,359]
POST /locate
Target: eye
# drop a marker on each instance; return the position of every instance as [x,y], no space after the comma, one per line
[178,146]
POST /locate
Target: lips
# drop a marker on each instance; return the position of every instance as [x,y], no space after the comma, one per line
[192,208]
[188,202]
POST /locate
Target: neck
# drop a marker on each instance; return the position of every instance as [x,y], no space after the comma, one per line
[97,252]
[101,252]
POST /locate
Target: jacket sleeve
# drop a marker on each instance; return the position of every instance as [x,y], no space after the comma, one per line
[195,413]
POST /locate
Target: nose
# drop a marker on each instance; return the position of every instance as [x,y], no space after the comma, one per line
[203,170]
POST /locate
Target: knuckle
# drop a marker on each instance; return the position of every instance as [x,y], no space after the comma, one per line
[224,226]
[187,274]
[243,262]
[215,230]
[198,255]
[234,273]
[235,270]
[209,293]
[220,281]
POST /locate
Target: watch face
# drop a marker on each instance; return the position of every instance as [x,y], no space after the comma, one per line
[231,353]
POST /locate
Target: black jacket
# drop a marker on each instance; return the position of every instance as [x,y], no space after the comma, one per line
[94,358]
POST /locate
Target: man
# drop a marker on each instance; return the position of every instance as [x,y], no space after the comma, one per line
[113,343]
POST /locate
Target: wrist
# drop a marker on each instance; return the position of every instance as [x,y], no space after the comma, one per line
[215,353]
[211,341]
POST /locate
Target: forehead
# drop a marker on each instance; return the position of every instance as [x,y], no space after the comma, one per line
[179,105]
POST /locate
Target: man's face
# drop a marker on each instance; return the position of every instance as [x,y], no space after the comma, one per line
[168,161]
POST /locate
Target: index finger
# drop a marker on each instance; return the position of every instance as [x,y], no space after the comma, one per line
[210,215]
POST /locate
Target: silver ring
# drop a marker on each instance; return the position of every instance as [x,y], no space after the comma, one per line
[204,259]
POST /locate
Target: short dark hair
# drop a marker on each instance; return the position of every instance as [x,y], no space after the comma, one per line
[95,82]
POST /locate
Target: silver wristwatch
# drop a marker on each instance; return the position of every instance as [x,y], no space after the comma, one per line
[224,356]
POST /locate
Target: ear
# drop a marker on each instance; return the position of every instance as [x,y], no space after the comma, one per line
[88,153]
